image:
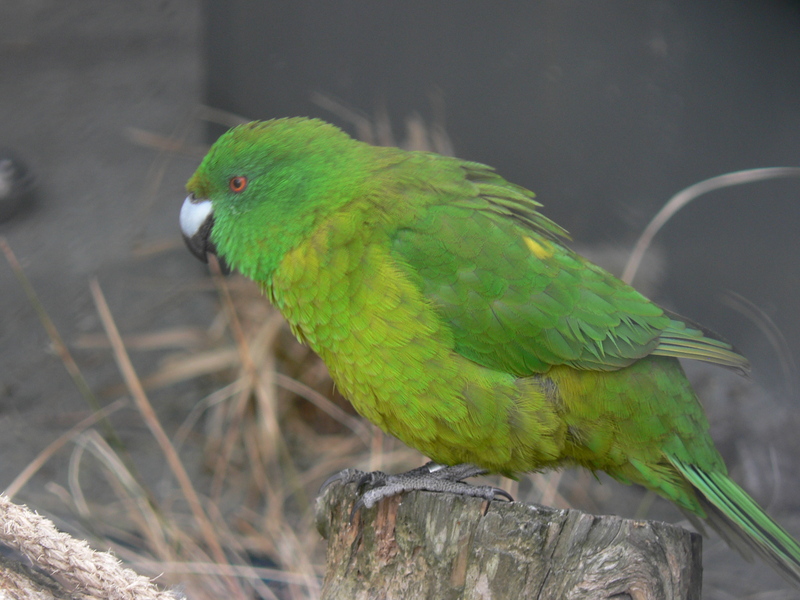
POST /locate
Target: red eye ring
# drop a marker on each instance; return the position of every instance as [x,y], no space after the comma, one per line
[238,183]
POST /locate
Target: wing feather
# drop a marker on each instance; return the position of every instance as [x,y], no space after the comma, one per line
[517,298]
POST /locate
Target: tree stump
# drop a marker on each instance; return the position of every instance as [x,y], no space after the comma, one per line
[429,545]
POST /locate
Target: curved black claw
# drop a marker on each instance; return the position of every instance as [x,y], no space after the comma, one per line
[345,476]
[504,494]
[357,506]
[371,479]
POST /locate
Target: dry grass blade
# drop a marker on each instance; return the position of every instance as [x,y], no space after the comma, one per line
[364,127]
[149,416]
[243,572]
[151,248]
[685,196]
[548,484]
[248,364]
[58,343]
[324,404]
[134,497]
[378,130]
[219,116]
[165,144]
[54,446]
[175,337]
[257,383]
[235,433]
[189,367]
[158,169]
[773,334]
[222,395]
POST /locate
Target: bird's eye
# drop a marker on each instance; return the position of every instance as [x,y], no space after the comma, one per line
[238,184]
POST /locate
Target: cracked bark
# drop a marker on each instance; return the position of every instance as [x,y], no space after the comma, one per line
[426,545]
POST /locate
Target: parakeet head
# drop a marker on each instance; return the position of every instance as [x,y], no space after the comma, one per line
[263,186]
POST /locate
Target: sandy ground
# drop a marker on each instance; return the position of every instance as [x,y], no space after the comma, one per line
[75,77]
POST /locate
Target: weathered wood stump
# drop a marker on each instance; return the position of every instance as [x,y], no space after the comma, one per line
[426,545]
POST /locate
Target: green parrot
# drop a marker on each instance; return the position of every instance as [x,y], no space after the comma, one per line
[451,314]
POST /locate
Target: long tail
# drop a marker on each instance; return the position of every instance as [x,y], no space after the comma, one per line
[742,523]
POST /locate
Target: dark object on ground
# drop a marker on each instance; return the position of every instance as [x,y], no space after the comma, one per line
[16,185]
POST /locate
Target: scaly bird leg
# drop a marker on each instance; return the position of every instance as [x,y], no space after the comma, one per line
[430,477]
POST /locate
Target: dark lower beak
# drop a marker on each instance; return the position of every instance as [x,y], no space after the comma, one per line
[199,243]
[197,222]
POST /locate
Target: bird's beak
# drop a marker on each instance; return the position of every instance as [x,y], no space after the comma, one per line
[197,220]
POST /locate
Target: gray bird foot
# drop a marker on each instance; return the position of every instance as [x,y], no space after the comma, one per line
[431,477]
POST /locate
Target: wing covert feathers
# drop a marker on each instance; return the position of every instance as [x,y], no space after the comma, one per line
[519,300]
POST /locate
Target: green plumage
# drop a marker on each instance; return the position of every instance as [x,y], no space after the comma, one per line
[451,315]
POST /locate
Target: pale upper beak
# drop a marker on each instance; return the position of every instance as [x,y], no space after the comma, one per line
[197,219]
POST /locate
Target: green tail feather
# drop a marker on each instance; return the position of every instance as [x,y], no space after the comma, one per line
[685,339]
[742,523]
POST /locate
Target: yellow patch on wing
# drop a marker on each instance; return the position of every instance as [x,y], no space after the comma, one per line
[542,250]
